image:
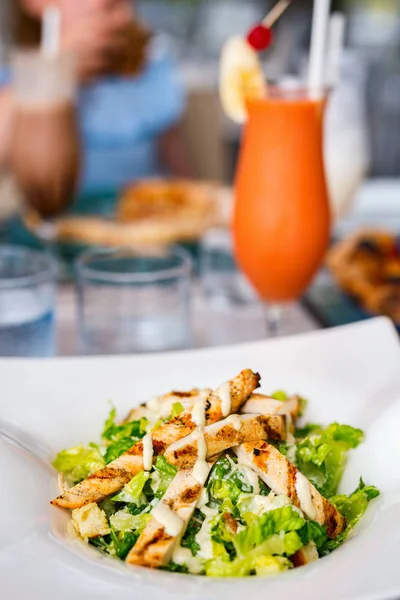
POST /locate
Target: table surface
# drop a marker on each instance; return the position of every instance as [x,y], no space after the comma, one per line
[212,325]
[377,204]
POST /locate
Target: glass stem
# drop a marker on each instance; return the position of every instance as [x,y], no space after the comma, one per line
[273,314]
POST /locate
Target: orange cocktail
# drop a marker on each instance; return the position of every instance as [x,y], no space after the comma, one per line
[281,219]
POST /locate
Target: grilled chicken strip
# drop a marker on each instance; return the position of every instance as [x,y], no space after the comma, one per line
[117,473]
[283,478]
[156,544]
[261,404]
[162,405]
[220,436]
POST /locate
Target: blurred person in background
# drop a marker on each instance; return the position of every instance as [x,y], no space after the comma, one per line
[130,101]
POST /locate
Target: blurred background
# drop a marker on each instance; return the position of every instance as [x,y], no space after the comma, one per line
[126,128]
[194,31]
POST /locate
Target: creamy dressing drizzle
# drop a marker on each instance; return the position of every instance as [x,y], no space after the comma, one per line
[171,522]
[224,393]
[203,498]
[303,490]
[201,468]
[154,403]
[261,504]
[235,421]
[199,412]
[183,556]
[166,408]
[203,537]
[147,451]
[252,478]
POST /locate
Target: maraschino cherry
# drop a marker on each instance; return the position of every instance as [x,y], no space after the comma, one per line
[260,37]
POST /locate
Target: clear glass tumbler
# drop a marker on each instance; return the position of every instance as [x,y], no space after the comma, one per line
[223,285]
[132,301]
[27,293]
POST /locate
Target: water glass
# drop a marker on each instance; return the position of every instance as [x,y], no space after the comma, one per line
[27,293]
[132,301]
[223,285]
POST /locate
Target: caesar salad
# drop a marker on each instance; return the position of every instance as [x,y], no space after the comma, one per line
[223,482]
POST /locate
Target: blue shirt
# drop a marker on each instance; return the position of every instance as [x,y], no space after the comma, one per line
[121,121]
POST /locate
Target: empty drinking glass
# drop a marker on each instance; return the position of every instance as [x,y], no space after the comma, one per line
[222,283]
[27,286]
[134,300]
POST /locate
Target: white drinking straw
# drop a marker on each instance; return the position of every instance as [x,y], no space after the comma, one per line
[337,27]
[51,31]
[319,32]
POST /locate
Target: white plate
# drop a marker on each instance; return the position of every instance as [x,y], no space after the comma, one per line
[350,374]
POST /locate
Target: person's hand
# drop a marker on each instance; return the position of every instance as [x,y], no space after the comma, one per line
[96,31]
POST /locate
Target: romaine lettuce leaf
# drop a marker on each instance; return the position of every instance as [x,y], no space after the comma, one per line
[280,395]
[220,489]
[312,531]
[115,449]
[133,490]
[108,506]
[116,543]
[351,437]
[249,565]
[103,543]
[123,520]
[177,409]
[321,456]
[164,468]
[222,528]
[227,481]
[175,568]
[262,528]
[264,545]
[162,476]
[302,432]
[78,462]
[123,542]
[287,544]
[114,432]
[271,565]
[120,438]
[264,489]
[221,469]
[193,528]
[352,507]
[303,406]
